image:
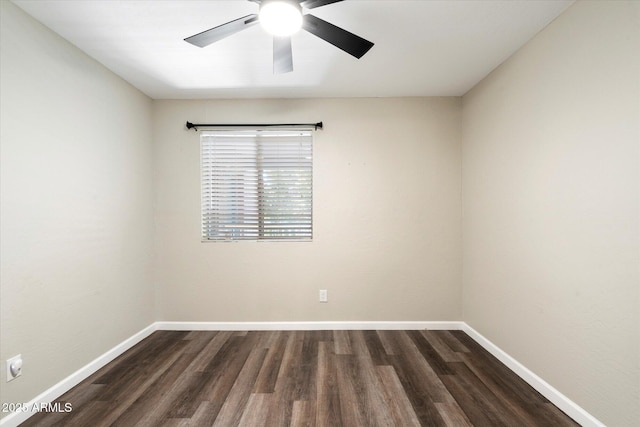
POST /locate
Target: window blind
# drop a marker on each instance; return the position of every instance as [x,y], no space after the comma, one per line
[256,185]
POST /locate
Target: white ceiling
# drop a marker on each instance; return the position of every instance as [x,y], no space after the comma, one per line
[422,47]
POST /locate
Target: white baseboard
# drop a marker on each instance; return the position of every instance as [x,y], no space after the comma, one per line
[15,418]
[305,326]
[565,404]
[561,401]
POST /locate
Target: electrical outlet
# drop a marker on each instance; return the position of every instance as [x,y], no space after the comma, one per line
[14,367]
[324,297]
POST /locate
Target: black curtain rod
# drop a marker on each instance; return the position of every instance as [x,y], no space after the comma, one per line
[195,126]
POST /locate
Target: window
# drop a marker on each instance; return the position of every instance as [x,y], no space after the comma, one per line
[256,185]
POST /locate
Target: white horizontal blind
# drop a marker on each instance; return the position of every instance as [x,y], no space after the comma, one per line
[256,185]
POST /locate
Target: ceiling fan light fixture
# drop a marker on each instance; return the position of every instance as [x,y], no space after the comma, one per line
[281,18]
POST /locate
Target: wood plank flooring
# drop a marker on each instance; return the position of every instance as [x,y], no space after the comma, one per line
[305,378]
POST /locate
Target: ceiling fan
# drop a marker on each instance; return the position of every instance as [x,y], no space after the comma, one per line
[283,18]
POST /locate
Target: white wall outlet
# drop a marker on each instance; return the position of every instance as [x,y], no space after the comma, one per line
[324,297]
[14,367]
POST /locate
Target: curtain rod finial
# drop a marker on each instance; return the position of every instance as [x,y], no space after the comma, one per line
[191,125]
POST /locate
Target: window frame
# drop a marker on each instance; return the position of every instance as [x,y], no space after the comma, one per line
[265,233]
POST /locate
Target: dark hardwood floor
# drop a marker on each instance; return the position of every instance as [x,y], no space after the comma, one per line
[305,378]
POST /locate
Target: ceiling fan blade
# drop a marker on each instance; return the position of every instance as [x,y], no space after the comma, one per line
[212,35]
[342,39]
[282,56]
[311,4]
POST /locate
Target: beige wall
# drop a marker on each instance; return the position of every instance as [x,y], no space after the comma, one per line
[551,207]
[386,217]
[76,207]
